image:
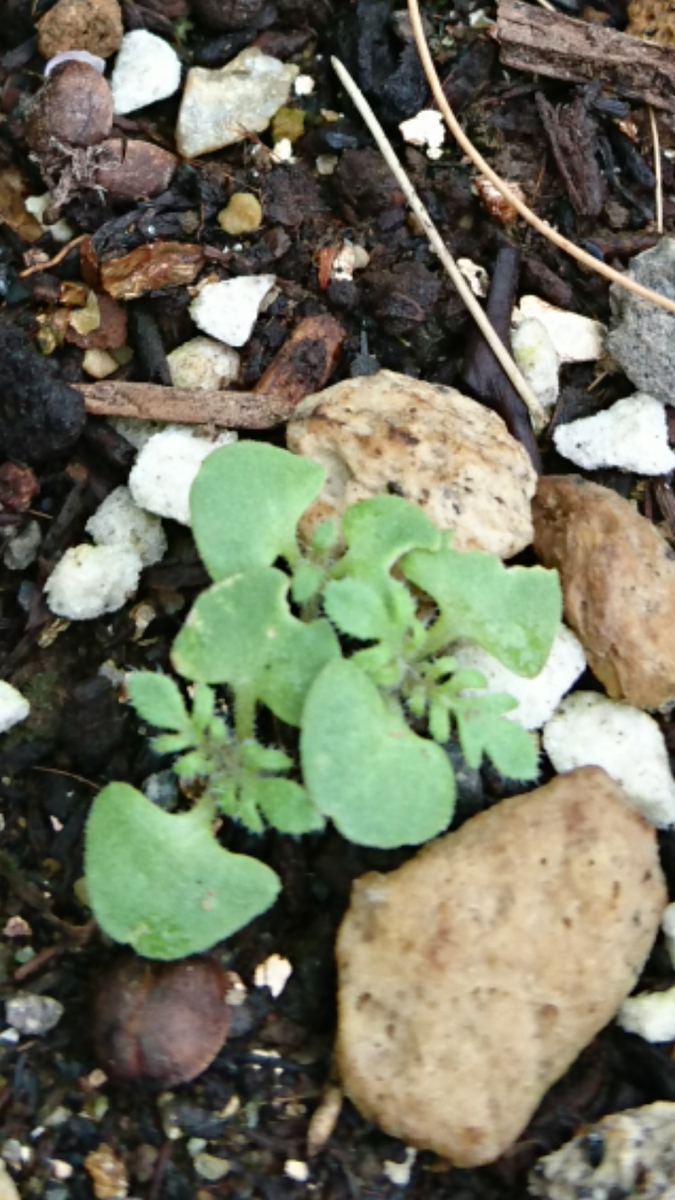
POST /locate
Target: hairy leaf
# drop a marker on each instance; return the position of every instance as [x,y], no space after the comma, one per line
[380,783]
[510,747]
[240,631]
[513,613]
[157,699]
[160,881]
[246,502]
[285,805]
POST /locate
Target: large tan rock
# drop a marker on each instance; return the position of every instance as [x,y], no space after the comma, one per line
[429,443]
[471,978]
[618,580]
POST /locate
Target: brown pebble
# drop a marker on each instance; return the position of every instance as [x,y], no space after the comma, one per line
[134,170]
[92,25]
[73,108]
[107,1172]
[18,485]
[161,1023]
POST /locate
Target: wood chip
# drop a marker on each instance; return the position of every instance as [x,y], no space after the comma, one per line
[155,265]
[184,406]
[533,39]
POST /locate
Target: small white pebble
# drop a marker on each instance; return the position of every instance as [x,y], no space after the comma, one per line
[92,60]
[426,129]
[203,363]
[13,706]
[535,354]
[24,547]
[61,231]
[344,263]
[539,697]
[99,363]
[282,151]
[399,1173]
[228,310]
[304,85]
[590,730]
[146,69]
[475,275]
[297,1170]
[91,580]
[326,164]
[32,1014]
[274,973]
[668,927]
[166,468]
[631,435]
[118,521]
[651,1014]
[575,337]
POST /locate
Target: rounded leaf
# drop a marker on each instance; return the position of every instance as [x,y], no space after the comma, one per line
[363,767]
[161,882]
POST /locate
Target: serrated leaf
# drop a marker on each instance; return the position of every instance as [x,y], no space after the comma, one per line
[157,699]
[380,783]
[203,706]
[173,743]
[357,608]
[513,613]
[285,805]
[264,758]
[246,502]
[378,531]
[241,632]
[161,882]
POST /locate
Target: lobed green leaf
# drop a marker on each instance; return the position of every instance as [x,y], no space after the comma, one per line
[157,699]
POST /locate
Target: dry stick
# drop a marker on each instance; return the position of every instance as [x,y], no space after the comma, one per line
[658,184]
[537,414]
[484,167]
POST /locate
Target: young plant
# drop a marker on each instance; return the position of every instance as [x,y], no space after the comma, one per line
[349,639]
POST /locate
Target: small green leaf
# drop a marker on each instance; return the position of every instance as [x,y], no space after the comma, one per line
[357,608]
[203,706]
[324,537]
[192,765]
[513,613]
[161,882]
[285,805]
[264,758]
[246,502]
[378,531]
[157,699]
[307,579]
[241,632]
[380,783]
[439,722]
[510,747]
[173,743]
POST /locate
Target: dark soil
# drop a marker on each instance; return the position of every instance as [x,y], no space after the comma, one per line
[401,313]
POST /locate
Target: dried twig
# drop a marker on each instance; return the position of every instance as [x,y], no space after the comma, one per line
[185,406]
[658,182]
[484,167]
[54,262]
[500,352]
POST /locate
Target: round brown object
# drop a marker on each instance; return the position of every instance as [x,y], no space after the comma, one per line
[134,170]
[73,108]
[93,25]
[162,1023]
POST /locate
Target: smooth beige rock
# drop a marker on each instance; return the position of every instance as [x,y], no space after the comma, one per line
[473,976]
[429,443]
[618,580]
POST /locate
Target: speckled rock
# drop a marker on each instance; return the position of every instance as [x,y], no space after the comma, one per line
[471,977]
[618,580]
[93,25]
[429,443]
[642,336]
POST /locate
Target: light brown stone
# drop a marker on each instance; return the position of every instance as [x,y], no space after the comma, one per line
[474,975]
[618,580]
[426,442]
[93,25]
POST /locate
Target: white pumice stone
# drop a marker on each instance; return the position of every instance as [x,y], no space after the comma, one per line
[203,363]
[575,337]
[166,468]
[13,706]
[590,730]
[23,548]
[92,580]
[146,69]
[632,435]
[120,522]
[651,1014]
[535,354]
[426,129]
[537,698]
[228,310]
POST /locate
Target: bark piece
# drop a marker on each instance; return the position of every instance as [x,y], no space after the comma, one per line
[475,974]
[306,361]
[155,265]
[618,581]
[184,406]
[573,135]
[546,43]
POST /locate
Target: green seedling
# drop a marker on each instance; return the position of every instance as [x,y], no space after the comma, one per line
[349,640]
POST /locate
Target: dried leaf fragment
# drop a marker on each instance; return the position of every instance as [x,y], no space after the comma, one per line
[155,265]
